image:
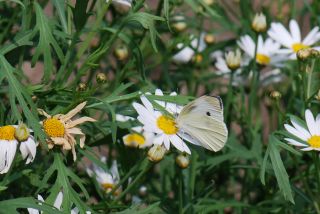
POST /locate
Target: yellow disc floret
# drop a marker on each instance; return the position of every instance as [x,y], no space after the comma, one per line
[167,125]
[314,141]
[7,133]
[53,127]
[298,46]
[134,140]
[262,59]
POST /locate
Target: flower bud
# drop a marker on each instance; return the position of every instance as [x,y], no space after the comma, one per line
[197,59]
[317,96]
[209,39]
[156,153]
[304,54]
[209,2]
[22,132]
[233,59]
[121,52]
[178,23]
[276,95]
[101,78]
[182,161]
[122,6]
[259,23]
[143,191]
[82,87]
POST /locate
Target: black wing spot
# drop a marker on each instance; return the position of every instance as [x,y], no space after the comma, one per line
[208,113]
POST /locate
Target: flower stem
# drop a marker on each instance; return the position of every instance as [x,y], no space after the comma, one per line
[135,181]
[309,80]
[180,192]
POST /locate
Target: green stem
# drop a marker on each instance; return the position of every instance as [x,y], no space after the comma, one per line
[180,192]
[309,72]
[316,165]
[135,181]
[229,99]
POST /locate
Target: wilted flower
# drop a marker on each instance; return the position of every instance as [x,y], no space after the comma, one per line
[259,23]
[61,130]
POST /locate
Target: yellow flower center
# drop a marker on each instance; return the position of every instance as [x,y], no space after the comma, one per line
[298,46]
[133,139]
[167,125]
[53,127]
[263,59]
[7,133]
[107,186]
[314,141]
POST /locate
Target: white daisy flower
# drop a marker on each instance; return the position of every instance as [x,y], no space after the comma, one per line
[9,144]
[266,50]
[186,53]
[292,40]
[107,179]
[309,135]
[57,204]
[139,139]
[122,6]
[163,126]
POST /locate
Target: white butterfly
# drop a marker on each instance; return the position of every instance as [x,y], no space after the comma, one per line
[201,122]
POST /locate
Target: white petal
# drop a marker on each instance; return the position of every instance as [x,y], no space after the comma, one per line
[177,142]
[312,37]
[295,31]
[295,132]
[311,123]
[294,142]
[57,203]
[307,149]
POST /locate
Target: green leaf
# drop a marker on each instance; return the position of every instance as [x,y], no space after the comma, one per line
[61,10]
[148,22]
[20,39]
[11,206]
[46,41]
[279,170]
[80,15]
[17,92]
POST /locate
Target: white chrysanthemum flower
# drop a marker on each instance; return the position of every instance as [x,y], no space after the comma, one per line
[309,135]
[107,179]
[122,6]
[9,143]
[139,139]
[292,40]
[163,126]
[266,50]
[57,204]
[233,59]
[186,53]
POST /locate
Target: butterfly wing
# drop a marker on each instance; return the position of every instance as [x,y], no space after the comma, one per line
[201,122]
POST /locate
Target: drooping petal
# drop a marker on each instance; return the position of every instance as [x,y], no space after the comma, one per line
[311,123]
[79,121]
[57,203]
[73,112]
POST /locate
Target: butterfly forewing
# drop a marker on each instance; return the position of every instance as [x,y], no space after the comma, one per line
[202,120]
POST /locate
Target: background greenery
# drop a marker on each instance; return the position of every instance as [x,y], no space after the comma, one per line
[74,40]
